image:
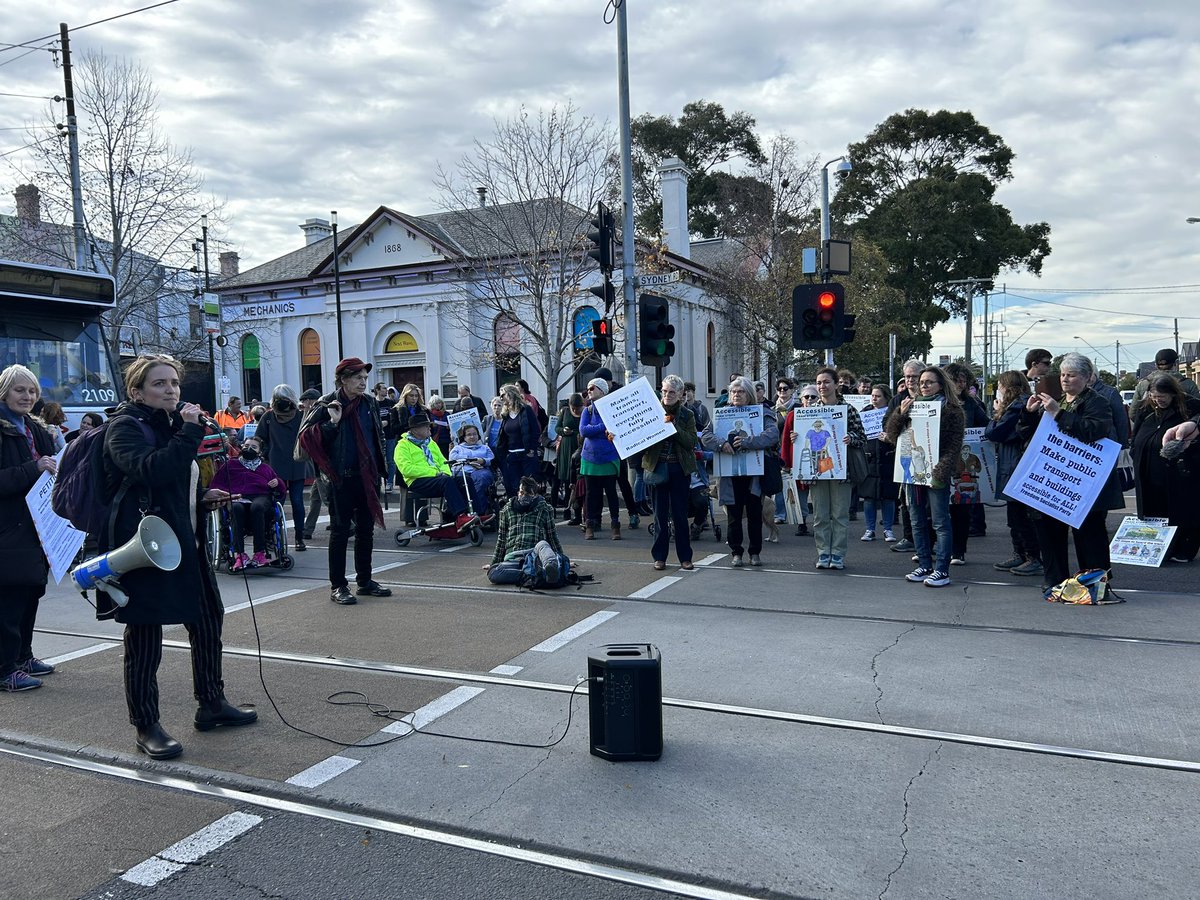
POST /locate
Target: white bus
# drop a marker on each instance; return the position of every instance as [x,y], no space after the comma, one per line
[50,322]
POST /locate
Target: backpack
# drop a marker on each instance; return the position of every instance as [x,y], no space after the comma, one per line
[79,489]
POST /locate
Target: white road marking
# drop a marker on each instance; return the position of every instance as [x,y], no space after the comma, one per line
[507,670]
[86,651]
[454,549]
[655,586]
[191,849]
[434,710]
[323,771]
[564,637]
[259,601]
[395,565]
[712,558]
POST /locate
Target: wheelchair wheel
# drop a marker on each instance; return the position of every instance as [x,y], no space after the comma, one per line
[475,535]
[402,538]
[287,562]
[651,529]
[422,516]
[216,539]
[716,532]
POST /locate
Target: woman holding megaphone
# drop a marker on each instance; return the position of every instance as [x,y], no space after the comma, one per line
[161,478]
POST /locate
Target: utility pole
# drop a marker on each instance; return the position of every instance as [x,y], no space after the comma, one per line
[212,359]
[627,244]
[1118,362]
[73,148]
[1176,335]
[337,285]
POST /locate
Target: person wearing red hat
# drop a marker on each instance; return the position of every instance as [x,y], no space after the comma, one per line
[343,435]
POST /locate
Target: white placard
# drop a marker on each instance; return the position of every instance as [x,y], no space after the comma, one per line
[858,401]
[872,422]
[60,539]
[819,451]
[458,419]
[1141,542]
[975,473]
[549,454]
[734,421]
[920,444]
[1060,476]
[635,418]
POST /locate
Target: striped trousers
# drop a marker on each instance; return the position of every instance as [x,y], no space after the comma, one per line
[143,653]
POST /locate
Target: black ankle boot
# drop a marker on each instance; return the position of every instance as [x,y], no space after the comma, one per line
[156,743]
[222,712]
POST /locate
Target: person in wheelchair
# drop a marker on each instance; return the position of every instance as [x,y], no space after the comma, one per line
[425,470]
[255,487]
[475,457]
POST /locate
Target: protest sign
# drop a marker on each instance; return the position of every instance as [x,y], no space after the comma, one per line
[975,473]
[60,540]
[635,418]
[872,422]
[730,422]
[858,401]
[1060,476]
[457,420]
[919,445]
[549,454]
[819,453]
[1141,542]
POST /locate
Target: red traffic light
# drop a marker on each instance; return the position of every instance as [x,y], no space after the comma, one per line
[826,300]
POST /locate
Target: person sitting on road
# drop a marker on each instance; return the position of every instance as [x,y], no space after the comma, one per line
[425,470]
[255,486]
[475,457]
[525,521]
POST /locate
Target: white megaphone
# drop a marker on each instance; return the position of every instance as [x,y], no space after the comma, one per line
[154,544]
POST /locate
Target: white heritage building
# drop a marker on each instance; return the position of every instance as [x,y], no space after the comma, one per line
[417,301]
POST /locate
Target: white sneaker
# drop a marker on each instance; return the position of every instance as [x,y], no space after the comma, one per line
[957,561]
[888,536]
[918,575]
[868,535]
[937,579]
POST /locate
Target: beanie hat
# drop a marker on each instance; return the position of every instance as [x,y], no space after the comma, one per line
[599,384]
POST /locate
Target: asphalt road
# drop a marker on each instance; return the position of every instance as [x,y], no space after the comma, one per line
[826,734]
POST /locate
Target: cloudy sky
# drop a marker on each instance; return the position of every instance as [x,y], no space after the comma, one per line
[296,107]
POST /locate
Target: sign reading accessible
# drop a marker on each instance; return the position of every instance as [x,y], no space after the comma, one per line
[634,417]
[1060,476]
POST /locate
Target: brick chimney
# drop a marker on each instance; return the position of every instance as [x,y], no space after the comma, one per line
[229,264]
[315,230]
[673,176]
[29,204]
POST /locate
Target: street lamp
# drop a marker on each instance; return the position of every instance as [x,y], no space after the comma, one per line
[1027,330]
[1192,220]
[337,284]
[1094,350]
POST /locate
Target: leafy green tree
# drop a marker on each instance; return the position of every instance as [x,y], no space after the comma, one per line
[703,137]
[923,189]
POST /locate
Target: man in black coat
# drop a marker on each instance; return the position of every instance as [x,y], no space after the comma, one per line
[343,435]
[466,400]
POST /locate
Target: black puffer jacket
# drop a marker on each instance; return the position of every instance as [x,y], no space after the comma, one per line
[22,562]
[161,483]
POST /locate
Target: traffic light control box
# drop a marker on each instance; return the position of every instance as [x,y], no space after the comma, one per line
[625,702]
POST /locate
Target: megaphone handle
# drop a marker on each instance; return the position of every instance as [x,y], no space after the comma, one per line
[115,593]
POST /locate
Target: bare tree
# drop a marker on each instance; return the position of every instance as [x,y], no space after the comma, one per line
[767,216]
[541,175]
[142,200]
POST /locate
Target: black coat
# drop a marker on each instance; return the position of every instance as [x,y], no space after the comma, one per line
[279,446]
[334,436]
[1166,489]
[22,561]
[161,482]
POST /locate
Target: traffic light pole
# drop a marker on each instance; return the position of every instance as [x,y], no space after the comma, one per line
[627,260]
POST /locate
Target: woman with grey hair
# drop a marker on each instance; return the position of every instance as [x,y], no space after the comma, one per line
[741,495]
[1086,416]
[671,463]
[278,430]
[26,451]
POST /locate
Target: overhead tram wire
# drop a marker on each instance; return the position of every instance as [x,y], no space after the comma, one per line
[86,25]
[1109,312]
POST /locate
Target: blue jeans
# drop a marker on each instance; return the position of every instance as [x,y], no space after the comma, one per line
[887,513]
[933,507]
[296,494]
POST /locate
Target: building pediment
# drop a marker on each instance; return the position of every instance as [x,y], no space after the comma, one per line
[388,239]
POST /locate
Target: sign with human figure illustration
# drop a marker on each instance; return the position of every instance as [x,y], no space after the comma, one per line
[975,472]
[919,445]
[730,422]
[819,452]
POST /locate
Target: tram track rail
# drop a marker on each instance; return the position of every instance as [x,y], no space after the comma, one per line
[723,709]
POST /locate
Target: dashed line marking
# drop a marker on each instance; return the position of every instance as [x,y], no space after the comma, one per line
[564,637]
[191,849]
[434,710]
[655,586]
[454,549]
[267,599]
[323,771]
[395,565]
[712,558]
[507,670]
[86,651]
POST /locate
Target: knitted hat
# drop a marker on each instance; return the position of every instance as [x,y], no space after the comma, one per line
[599,384]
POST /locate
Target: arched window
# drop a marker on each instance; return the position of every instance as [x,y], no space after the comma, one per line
[310,360]
[506,337]
[251,370]
[710,352]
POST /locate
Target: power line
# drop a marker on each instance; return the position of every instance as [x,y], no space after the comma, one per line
[28,96]
[27,146]
[87,25]
[1149,289]
[1110,312]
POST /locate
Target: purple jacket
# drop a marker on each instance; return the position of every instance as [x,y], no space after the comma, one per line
[235,478]
[597,448]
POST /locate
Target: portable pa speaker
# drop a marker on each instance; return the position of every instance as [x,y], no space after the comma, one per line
[625,704]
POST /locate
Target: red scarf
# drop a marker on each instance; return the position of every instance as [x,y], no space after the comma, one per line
[310,439]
